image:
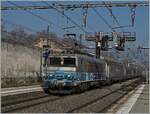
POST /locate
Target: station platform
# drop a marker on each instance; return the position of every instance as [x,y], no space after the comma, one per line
[138,102]
[142,103]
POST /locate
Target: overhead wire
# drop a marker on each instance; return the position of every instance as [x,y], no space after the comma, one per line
[59,11]
[85,14]
[41,18]
[105,21]
[45,20]
[73,6]
[81,27]
[114,17]
[122,26]
[14,24]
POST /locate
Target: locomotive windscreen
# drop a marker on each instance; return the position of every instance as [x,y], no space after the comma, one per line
[55,61]
[65,62]
[69,61]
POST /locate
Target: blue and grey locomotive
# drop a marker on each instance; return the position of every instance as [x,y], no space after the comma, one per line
[71,72]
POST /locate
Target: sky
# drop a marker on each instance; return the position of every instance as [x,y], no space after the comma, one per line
[94,23]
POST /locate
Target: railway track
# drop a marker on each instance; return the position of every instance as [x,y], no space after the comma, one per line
[97,103]
[91,102]
[12,105]
[9,100]
[105,100]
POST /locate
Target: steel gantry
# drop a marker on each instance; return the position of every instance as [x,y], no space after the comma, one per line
[75,6]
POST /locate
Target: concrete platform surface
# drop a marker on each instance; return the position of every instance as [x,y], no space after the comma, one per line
[20,90]
[142,103]
[136,101]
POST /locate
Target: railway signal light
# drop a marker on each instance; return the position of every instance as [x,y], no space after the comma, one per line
[101,39]
[46,53]
[104,43]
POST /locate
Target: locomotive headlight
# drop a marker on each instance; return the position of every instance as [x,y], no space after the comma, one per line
[116,45]
[75,84]
[50,75]
[64,83]
[68,75]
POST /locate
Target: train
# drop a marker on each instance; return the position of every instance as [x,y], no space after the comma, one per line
[69,73]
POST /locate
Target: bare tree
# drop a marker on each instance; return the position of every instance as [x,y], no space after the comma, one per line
[44,34]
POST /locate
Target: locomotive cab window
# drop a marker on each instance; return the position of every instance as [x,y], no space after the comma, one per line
[55,61]
[69,61]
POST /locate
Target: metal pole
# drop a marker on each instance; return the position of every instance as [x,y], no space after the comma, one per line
[40,62]
[47,45]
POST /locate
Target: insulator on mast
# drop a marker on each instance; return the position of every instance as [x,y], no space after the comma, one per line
[133,9]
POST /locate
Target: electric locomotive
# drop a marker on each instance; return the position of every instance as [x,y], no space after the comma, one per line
[72,72]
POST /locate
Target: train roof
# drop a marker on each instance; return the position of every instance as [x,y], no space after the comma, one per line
[73,55]
[101,60]
[90,58]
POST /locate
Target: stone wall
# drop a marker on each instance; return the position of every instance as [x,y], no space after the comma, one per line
[18,61]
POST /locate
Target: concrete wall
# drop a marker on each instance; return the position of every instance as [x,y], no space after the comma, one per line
[18,60]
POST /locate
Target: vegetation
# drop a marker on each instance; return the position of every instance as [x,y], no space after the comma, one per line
[19,36]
